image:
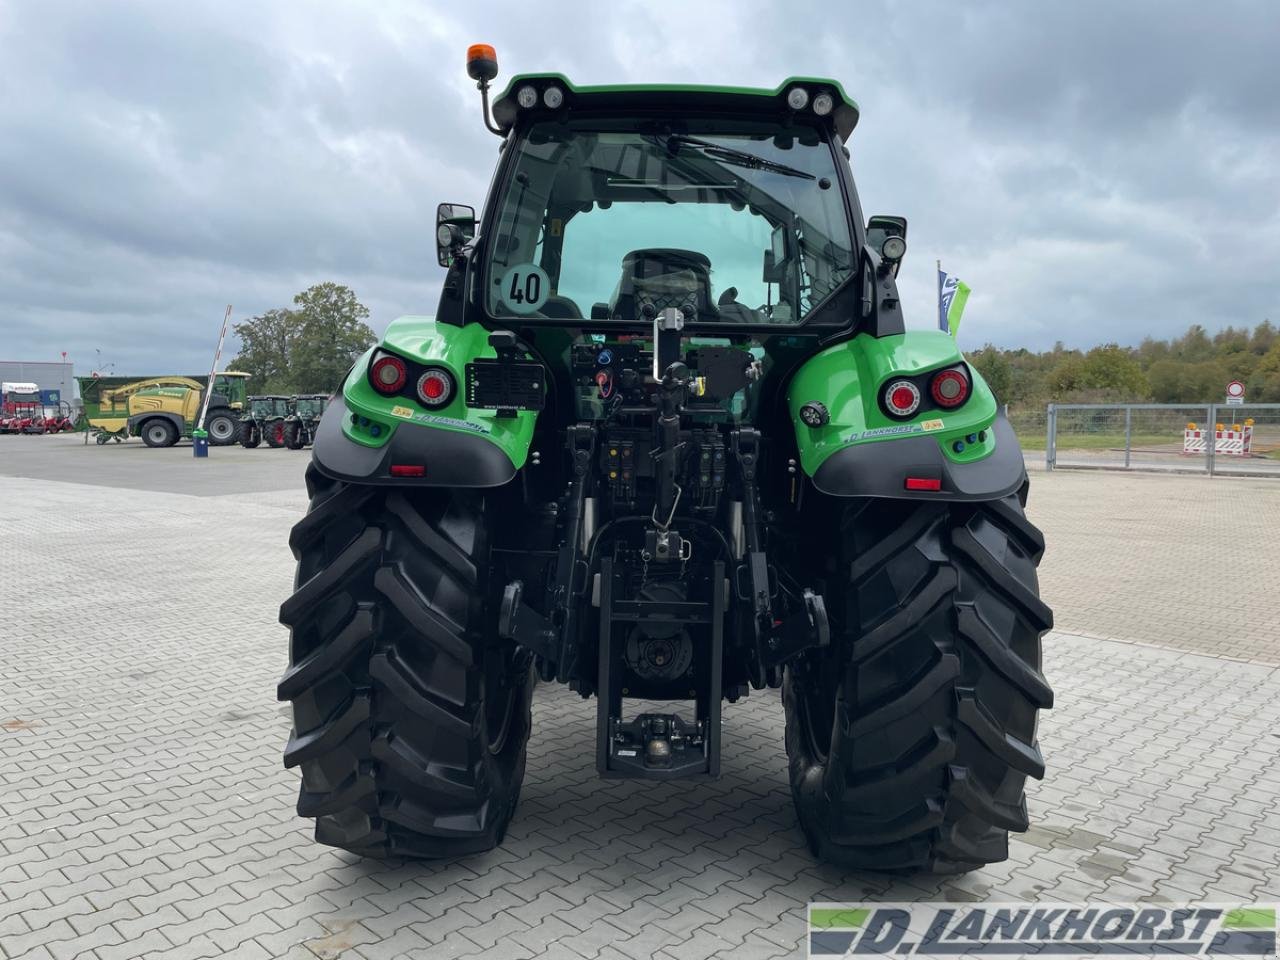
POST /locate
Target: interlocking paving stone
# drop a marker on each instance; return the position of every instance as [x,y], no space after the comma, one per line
[144,810]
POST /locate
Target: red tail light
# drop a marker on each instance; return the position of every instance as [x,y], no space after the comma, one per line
[388,374]
[408,470]
[435,388]
[902,398]
[923,483]
[949,388]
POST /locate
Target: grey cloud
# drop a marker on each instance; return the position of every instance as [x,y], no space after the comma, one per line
[1093,170]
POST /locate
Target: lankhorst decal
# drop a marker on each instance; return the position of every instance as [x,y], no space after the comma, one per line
[1041,929]
[897,431]
[435,420]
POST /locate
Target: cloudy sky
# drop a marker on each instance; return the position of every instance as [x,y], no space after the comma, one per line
[1095,170]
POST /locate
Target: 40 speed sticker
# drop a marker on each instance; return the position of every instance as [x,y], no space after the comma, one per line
[1041,929]
[524,288]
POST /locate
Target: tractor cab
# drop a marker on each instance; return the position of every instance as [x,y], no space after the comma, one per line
[230,389]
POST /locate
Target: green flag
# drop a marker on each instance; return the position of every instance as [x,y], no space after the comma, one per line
[957,306]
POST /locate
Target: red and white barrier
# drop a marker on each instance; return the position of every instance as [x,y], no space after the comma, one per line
[1234,442]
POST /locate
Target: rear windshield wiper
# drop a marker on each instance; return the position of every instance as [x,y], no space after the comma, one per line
[737,157]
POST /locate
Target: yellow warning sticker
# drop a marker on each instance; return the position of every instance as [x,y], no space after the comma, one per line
[402,412]
[932,424]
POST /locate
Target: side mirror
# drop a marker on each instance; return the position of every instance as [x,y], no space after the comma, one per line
[776,257]
[455,225]
[887,236]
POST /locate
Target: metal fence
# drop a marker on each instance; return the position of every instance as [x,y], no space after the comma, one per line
[1242,440]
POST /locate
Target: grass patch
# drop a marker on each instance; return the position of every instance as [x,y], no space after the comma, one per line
[1099,441]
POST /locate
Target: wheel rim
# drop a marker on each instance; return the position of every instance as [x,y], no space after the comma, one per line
[817,705]
[500,689]
[157,433]
[221,428]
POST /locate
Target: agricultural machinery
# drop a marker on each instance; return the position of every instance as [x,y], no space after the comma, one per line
[163,409]
[667,438]
[264,420]
[300,428]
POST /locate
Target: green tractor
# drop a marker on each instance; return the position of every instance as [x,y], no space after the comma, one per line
[263,410]
[666,438]
[300,426]
[273,427]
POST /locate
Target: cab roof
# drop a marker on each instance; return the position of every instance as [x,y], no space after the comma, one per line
[672,98]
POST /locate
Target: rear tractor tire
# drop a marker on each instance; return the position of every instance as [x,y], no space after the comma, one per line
[910,738]
[411,717]
[273,433]
[294,435]
[222,428]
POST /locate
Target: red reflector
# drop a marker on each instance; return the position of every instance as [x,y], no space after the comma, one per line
[408,470]
[914,483]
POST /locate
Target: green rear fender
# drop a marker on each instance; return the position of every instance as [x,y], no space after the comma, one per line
[862,451]
[364,434]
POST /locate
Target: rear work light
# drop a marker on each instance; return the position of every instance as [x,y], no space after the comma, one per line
[435,388]
[902,398]
[950,388]
[388,374]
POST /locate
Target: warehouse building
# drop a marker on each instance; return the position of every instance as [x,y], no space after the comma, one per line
[54,380]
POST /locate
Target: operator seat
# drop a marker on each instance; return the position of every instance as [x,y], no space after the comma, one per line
[666,277]
[560,308]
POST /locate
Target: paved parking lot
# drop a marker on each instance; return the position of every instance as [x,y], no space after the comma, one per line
[144,810]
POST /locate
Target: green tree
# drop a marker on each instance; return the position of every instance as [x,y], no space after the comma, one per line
[1263,339]
[306,348]
[1193,346]
[1264,385]
[995,369]
[331,334]
[266,347]
[1175,382]
[1113,370]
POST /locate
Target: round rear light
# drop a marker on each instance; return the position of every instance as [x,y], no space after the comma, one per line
[388,374]
[815,414]
[435,388]
[902,397]
[950,388]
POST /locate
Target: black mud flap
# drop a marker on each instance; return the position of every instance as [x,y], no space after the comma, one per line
[447,458]
[881,469]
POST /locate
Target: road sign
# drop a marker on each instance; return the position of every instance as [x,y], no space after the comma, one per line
[1235,392]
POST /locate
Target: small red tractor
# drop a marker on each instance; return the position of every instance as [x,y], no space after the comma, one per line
[60,420]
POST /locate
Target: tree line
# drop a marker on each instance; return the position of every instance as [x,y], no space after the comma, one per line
[306,348]
[1192,368]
